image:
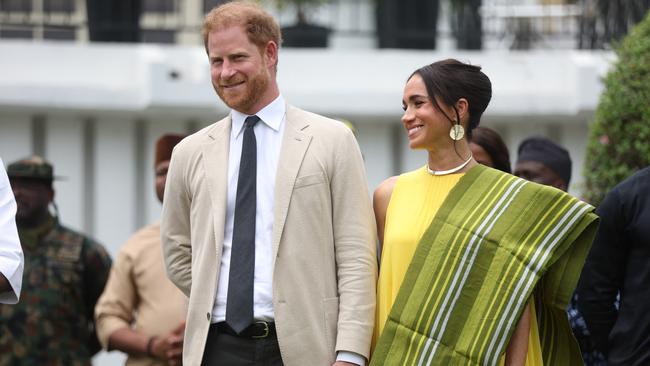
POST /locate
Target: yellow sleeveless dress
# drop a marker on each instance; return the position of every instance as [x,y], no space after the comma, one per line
[415,200]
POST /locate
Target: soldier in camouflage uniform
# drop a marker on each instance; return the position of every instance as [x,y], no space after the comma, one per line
[64,275]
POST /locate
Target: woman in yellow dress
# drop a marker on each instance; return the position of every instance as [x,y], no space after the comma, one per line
[471,257]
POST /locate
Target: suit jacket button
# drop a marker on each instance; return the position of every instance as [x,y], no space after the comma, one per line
[208,315]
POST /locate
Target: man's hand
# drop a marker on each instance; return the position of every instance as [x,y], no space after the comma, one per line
[343,363]
[170,346]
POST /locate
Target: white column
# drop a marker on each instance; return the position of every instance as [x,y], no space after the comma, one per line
[114,177]
[15,136]
[64,148]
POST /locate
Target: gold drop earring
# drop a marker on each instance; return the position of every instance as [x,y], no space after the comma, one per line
[456,132]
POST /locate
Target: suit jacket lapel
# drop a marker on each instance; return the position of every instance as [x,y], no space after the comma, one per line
[294,146]
[215,163]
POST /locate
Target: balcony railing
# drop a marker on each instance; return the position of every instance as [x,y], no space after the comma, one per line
[503,23]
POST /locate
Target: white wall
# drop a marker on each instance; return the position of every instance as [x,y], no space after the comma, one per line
[64,144]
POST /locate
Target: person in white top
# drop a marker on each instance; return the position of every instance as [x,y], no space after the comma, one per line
[11,253]
[267,224]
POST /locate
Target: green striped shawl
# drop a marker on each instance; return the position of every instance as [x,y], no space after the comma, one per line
[494,241]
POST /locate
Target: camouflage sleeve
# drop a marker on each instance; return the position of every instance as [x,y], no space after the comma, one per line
[97,264]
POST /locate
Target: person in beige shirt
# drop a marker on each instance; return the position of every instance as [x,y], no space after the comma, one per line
[141,312]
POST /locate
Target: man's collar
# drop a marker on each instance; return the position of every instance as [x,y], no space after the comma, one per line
[272,116]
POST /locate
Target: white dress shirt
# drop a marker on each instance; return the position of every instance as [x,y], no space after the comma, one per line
[268,135]
[11,254]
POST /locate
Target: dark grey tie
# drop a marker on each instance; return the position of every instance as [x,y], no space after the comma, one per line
[239,305]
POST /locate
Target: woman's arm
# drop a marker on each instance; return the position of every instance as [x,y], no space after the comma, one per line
[518,347]
[380,200]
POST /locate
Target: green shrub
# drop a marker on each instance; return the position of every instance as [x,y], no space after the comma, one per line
[619,140]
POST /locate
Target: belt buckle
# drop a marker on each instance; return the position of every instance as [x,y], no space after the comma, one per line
[266,330]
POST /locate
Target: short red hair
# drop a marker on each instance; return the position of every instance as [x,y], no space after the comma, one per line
[259,25]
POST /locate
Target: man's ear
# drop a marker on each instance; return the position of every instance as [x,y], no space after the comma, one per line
[271,53]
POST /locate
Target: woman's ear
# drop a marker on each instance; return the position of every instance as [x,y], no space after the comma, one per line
[462,106]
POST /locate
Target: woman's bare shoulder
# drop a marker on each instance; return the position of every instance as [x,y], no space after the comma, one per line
[384,190]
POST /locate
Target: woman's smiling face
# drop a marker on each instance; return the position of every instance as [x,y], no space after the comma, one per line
[425,125]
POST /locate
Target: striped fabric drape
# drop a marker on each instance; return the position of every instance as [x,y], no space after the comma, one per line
[494,241]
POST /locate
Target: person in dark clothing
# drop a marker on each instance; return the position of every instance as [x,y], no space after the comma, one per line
[619,264]
[64,274]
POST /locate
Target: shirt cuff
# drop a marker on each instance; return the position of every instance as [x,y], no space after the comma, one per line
[351,357]
[106,324]
[12,269]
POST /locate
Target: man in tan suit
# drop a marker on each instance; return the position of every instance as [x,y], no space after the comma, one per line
[267,224]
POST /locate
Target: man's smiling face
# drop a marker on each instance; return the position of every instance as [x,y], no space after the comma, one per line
[241,72]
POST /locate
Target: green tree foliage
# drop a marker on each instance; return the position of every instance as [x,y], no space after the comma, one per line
[619,141]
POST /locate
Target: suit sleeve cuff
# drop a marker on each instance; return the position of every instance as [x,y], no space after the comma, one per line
[351,357]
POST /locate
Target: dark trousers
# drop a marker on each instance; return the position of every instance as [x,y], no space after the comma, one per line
[223,349]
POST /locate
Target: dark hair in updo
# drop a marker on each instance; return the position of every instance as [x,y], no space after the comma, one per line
[450,80]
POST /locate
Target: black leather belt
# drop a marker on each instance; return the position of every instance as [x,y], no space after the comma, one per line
[259,329]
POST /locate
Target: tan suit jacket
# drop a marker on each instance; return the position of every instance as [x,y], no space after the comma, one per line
[324,267]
